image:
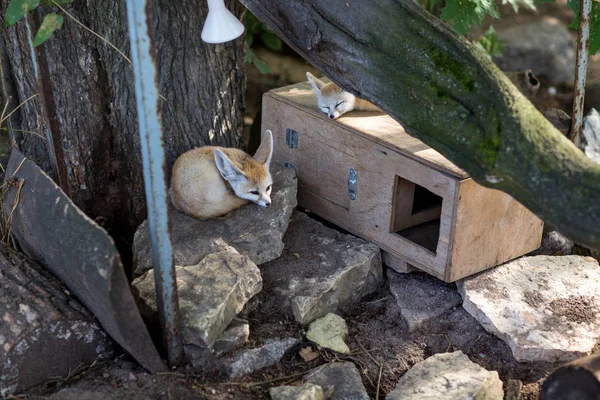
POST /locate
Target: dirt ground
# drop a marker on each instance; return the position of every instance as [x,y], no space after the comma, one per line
[376,330]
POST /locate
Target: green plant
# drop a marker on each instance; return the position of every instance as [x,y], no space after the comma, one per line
[490,43]
[465,14]
[256,30]
[18,8]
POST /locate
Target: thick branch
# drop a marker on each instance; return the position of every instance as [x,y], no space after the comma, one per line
[445,92]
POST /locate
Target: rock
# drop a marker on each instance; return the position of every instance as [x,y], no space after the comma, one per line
[247,361]
[253,231]
[591,136]
[308,391]
[421,297]
[78,394]
[545,308]
[234,336]
[513,389]
[544,47]
[329,332]
[320,271]
[343,377]
[448,376]
[554,244]
[211,293]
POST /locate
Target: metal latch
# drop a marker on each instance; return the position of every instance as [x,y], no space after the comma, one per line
[291,138]
[352,178]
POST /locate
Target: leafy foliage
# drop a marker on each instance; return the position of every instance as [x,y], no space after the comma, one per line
[51,23]
[490,43]
[256,29]
[594,23]
[466,13]
[18,8]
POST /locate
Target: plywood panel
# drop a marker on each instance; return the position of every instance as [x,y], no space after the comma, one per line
[491,228]
[378,127]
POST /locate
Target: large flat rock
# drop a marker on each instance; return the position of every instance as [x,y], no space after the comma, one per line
[252,230]
[545,308]
[448,376]
[421,298]
[320,271]
[211,293]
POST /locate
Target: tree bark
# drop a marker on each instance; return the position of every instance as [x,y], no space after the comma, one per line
[446,92]
[44,332]
[85,109]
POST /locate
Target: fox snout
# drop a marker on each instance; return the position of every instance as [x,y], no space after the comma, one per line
[264,202]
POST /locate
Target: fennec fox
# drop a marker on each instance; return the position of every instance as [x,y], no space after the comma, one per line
[209,182]
[334,101]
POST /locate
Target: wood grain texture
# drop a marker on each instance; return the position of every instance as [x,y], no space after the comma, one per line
[491,228]
[473,229]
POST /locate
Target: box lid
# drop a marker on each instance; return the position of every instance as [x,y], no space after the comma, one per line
[379,127]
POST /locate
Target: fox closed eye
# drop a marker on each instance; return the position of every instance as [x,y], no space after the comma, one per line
[255,192]
[340,103]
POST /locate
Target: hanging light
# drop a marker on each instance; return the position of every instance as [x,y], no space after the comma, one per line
[221,25]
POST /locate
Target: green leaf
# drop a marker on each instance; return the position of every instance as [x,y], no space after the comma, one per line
[262,66]
[50,23]
[594,23]
[271,40]
[467,13]
[17,10]
[490,43]
[545,1]
[63,2]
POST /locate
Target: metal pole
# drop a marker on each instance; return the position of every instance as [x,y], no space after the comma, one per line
[153,155]
[583,43]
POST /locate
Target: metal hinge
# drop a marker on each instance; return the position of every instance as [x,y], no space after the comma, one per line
[291,138]
[352,178]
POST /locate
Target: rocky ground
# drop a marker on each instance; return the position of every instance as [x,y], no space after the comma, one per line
[278,304]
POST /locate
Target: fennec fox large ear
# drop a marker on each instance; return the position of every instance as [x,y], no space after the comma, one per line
[265,150]
[316,83]
[228,170]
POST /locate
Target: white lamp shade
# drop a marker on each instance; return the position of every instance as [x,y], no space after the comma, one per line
[221,25]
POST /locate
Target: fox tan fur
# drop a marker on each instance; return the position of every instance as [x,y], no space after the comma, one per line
[210,182]
[334,101]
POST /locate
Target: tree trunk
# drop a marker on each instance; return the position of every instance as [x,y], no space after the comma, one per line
[85,110]
[446,92]
[45,332]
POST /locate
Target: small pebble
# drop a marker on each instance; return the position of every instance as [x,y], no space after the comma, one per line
[105,375]
[552,91]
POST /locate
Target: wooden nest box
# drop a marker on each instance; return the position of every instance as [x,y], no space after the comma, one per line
[364,173]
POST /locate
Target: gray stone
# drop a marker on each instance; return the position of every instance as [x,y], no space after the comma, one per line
[211,293]
[320,271]
[247,361]
[252,230]
[448,376]
[546,48]
[79,394]
[591,135]
[308,391]
[421,297]
[234,336]
[545,308]
[343,377]
[329,332]
[554,244]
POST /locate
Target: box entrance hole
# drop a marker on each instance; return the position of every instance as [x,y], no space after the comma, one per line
[416,214]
